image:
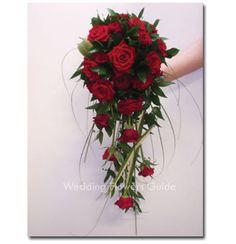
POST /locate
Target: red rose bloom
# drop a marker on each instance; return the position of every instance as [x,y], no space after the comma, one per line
[122,82]
[102,90]
[90,86]
[101,120]
[144,38]
[162,47]
[154,62]
[88,64]
[106,156]
[134,21]
[146,171]
[100,57]
[99,33]
[122,57]
[129,135]
[139,85]
[125,202]
[114,27]
[128,106]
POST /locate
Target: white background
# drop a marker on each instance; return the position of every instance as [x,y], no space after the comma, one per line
[55,143]
[220,126]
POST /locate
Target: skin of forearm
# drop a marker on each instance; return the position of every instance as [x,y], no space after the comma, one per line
[184,62]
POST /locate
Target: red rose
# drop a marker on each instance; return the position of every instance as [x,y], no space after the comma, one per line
[114,27]
[128,106]
[101,120]
[122,82]
[100,57]
[88,64]
[106,155]
[144,38]
[122,56]
[146,171]
[139,85]
[162,47]
[129,135]
[134,21]
[99,33]
[125,202]
[102,90]
[90,86]
[154,62]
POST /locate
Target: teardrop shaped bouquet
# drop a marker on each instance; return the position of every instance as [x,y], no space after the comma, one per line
[122,70]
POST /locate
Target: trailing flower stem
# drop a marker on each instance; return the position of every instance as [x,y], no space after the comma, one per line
[129,158]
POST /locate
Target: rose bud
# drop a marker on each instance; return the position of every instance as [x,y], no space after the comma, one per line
[128,106]
[122,82]
[115,27]
[102,90]
[146,171]
[88,64]
[129,135]
[125,202]
[102,120]
[162,47]
[99,33]
[134,21]
[100,57]
[144,38]
[154,62]
[106,155]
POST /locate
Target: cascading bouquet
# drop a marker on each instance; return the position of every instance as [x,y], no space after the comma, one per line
[121,69]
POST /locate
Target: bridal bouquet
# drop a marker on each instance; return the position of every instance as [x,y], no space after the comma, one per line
[122,70]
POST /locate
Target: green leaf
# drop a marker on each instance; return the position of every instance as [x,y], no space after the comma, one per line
[100,70]
[159,92]
[154,37]
[137,207]
[111,12]
[124,146]
[142,75]
[100,136]
[150,119]
[156,23]
[172,52]
[96,21]
[110,173]
[157,112]
[149,29]
[120,181]
[133,32]
[112,192]
[155,99]
[115,38]
[102,108]
[117,166]
[94,106]
[141,13]
[109,131]
[164,83]
[77,73]
[133,43]
[140,195]
[119,156]
[146,104]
